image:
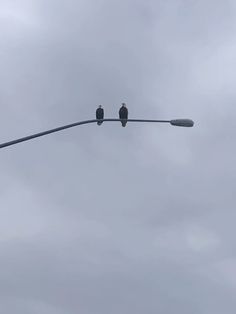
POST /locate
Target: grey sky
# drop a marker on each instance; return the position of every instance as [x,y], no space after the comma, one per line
[106,219]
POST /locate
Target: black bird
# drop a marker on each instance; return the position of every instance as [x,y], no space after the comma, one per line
[123,114]
[99,115]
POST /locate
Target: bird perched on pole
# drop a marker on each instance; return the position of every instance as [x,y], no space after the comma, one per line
[99,115]
[123,114]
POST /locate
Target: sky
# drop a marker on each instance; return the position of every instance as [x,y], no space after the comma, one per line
[111,220]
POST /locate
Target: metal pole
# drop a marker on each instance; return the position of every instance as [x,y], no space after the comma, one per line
[30,137]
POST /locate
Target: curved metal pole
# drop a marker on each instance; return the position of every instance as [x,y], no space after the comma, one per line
[30,137]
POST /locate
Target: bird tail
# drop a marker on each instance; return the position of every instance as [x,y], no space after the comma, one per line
[123,122]
[99,122]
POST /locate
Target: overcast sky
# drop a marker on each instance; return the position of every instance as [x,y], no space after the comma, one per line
[112,220]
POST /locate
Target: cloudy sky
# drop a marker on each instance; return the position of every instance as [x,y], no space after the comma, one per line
[111,220]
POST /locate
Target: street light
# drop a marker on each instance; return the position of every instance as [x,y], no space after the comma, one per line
[176,122]
[182,122]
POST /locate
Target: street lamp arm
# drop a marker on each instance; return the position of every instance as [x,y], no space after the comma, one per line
[187,123]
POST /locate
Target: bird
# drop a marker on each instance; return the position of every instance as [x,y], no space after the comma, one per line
[99,114]
[123,114]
